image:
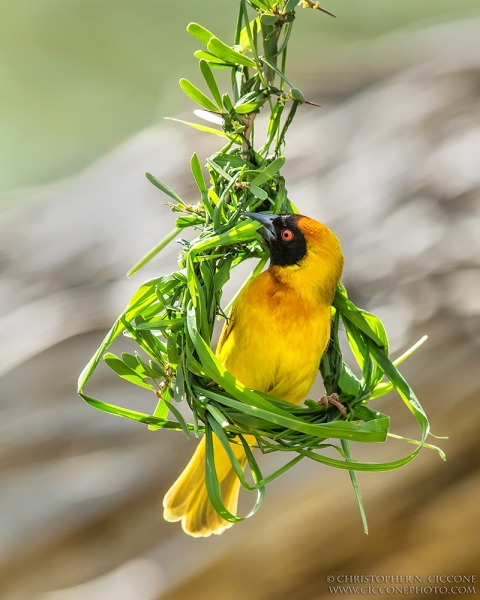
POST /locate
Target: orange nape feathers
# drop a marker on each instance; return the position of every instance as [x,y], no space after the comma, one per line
[273,342]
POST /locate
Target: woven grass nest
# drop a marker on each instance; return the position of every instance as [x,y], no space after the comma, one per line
[170,319]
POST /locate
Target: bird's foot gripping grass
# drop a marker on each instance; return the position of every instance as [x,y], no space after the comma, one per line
[170,319]
[334,401]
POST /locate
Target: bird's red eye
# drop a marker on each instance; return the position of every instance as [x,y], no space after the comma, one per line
[287,235]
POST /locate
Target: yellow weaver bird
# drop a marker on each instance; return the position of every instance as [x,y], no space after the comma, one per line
[278,330]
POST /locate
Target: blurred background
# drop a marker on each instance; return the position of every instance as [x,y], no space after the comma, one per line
[391,162]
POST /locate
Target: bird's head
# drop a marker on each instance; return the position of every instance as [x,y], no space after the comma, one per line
[304,253]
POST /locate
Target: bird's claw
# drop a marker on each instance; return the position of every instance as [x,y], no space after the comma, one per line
[333,399]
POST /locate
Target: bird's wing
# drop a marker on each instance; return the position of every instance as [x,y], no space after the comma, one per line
[226,331]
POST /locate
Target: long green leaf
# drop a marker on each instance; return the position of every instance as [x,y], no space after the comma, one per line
[248,107]
[213,61]
[131,414]
[260,482]
[270,171]
[211,480]
[405,391]
[210,81]
[197,173]
[291,4]
[125,372]
[142,298]
[258,192]
[199,32]
[196,95]
[217,47]
[356,487]
[186,428]
[199,127]
[384,388]
[157,324]
[372,431]
[277,71]
[348,382]
[161,412]
[164,187]
[366,322]
[262,4]
[242,232]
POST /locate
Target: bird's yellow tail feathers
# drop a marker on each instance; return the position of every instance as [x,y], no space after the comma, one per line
[187,500]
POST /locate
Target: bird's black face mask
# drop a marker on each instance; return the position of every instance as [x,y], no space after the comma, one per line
[286,242]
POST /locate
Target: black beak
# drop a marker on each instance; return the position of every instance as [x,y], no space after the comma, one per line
[268,230]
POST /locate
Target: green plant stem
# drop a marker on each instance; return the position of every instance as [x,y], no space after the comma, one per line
[154,251]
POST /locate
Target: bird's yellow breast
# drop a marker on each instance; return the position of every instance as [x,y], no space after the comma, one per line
[275,338]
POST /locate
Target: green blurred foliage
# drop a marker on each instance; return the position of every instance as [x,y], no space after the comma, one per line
[79,76]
